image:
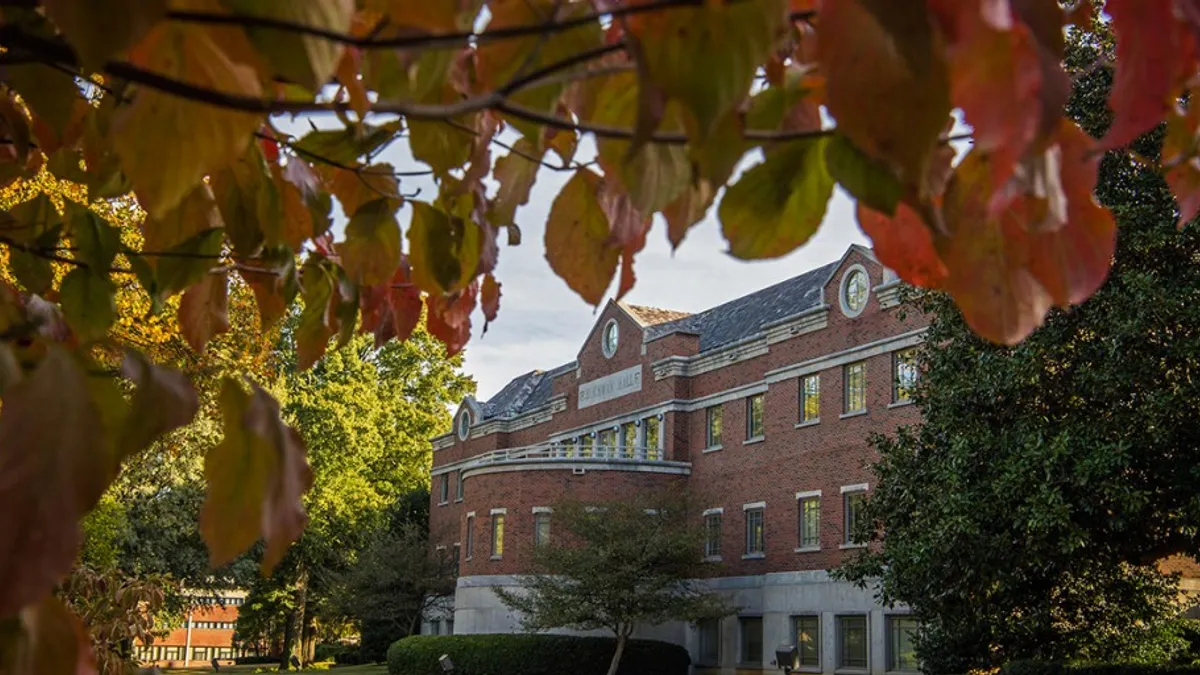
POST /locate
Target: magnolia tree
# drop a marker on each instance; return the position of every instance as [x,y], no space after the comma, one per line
[173,103]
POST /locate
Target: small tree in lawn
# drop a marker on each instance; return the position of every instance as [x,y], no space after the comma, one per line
[618,565]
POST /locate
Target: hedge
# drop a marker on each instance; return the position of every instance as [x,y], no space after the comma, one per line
[1060,668]
[533,655]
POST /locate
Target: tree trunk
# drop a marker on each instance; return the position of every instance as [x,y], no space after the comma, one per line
[290,625]
[309,641]
[293,642]
[622,638]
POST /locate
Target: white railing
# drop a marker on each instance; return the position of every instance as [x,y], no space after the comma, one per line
[564,452]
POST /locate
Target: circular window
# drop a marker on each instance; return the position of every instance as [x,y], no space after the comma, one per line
[610,338]
[856,288]
[464,425]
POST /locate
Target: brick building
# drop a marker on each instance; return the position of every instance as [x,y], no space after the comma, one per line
[762,405]
[206,634]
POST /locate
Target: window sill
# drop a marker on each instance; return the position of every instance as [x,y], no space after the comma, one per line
[754,556]
[714,448]
[808,549]
[496,557]
[900,404]
[469,558]
[856,413]
[712,558]
[446,503]
[752,441]
[458,501]
[808,423]
[846,547]
[854,671]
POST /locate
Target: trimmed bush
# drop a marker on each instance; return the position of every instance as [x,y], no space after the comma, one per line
[255,660]
[1060,668]
[533,655]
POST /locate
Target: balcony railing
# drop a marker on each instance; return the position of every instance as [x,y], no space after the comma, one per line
[563,452]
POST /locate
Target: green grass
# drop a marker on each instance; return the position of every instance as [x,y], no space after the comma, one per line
[322,669]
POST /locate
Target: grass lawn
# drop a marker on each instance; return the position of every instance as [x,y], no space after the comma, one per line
[369,669]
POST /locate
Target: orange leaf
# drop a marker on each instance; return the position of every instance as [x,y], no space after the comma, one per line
[204,310]
[54,465]
[1184,181]
[449,318]
[405,301]
[490,297]
[1145,64]
[578,238]
[903,243]
[892,55]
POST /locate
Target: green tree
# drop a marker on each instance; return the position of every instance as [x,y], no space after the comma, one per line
[1023,518]
[616,566]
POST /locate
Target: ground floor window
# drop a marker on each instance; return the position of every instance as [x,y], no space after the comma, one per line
[808,640]
[852,642]
[902,653]
[709,634]
[750,636]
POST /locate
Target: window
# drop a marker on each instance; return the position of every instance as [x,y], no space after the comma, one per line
[904,375]
[754,531]
[447,626]
[754,417]
[470,536]
[606,443]
[653,437]
[810,398]
[444,489]
[750,640]
[852,642]
[713,426]
[853,503]
[901,647]
[809,511]
[856,288]
[458,490]
[855,376]
[585,445]
[457,558]
[497,534]
[709,632]
[610,339]
[464,425]
[541,528]
[628,439]
[712,534]
[808,640]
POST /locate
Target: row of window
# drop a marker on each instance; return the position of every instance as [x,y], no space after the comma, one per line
[444,488]
[854,396]
[541,531]
[227,602]
[164,653]
[808,523]
[217,625]
[852,644]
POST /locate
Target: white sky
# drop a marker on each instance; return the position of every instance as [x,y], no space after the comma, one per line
[542,322]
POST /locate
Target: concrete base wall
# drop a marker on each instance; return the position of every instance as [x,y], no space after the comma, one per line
[774,597]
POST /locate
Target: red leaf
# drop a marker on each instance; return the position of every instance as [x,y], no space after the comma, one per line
[449,318]
[490,298]
[1145,64]
[1184,180]
[204,310]
[54,465]
[905,244]
[405,301]
[51,641]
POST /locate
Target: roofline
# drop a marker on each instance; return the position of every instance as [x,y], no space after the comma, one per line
[588,338]
[853,247]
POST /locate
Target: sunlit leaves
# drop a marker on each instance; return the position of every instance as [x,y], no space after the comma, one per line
[256,477]
[204,310]
[372,247]
[155,120]
[577,238]
[777,205]
[304,59]
[891,54]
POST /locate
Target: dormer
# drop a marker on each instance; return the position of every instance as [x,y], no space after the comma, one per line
[852,286]
[469,414]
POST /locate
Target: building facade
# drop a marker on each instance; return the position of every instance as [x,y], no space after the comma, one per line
[206,634]
[762,406]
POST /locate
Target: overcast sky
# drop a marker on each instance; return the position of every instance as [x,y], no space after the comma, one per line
[542,322]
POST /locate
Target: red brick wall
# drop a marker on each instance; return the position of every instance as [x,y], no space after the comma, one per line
[823,456]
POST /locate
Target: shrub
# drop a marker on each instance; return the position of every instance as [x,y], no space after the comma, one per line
[252,660]
[1060,668]
[534,655]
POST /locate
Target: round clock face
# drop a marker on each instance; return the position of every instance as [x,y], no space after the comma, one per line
[610,338]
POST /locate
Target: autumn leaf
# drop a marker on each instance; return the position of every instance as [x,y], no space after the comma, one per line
[49,640]
[444,249]
[778,204]
[363,184]
[163,401]
[864,178]
[372,247]
[215,136]
[892,55]
[96,241]
[87,302]
[204,310]
[442,144]
[256,477]
[903,243]
[274,284]
[577,238]
[305,205]
[405,301]
[1145,62]
[187,263]
[687,210]
[345,146]
[448,318]
[490,299]
[313,330]
[101,31]
[304,59]
[53,467]
[248,200]
[515,173]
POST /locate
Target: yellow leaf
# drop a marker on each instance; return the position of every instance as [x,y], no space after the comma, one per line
[371,251]
[202,138]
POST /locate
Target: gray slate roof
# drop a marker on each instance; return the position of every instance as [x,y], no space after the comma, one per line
[722,325]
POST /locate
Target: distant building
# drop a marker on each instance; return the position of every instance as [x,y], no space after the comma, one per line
[206,633]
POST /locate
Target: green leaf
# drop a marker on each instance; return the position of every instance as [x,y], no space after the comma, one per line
[865,179]
[33,271]
[577,238]
[778,204]
[50,94]
[96,241]
[193,259]
[313,330]
[34,217]
[248,199]
[87,303]
[444,249]
[441,145]
[304,59]
[144,273]
[345,146]
[516,174]
[371,251]
[101,31]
